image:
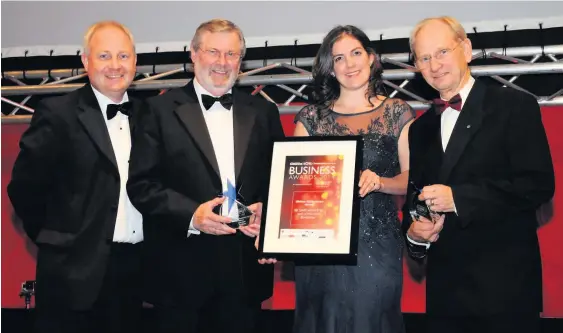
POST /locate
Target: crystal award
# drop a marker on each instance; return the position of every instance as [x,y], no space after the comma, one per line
[240,213]
[418,208]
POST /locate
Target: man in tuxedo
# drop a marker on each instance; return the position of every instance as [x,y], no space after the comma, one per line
[203,146]
[480,159]
[68,187]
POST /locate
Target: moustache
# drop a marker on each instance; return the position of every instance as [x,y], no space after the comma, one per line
[220,68]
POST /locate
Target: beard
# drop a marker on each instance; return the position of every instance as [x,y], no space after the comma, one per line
[213,81]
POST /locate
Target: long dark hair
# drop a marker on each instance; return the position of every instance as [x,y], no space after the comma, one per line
[326,87]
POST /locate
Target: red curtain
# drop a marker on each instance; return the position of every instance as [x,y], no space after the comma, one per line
[18,253]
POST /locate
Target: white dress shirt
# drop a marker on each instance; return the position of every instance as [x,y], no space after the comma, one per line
[129,222]
[447,124]
[449,116]
[220,126]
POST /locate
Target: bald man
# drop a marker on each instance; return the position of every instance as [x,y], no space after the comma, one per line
[68,188]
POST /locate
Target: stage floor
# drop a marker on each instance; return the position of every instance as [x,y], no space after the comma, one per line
[271,321]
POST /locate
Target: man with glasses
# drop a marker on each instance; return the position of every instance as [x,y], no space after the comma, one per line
[205,151]
[481,160]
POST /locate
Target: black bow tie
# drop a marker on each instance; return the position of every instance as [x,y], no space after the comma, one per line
[124,108]
[225,100]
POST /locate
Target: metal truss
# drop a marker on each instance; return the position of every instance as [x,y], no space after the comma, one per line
[254,73]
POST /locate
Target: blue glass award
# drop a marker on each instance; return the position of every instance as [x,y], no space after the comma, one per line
[238,211]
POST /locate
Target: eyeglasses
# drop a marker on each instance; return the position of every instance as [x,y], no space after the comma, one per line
[215,54]
[443,54]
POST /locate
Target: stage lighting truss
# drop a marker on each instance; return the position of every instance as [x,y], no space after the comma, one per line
[296,72]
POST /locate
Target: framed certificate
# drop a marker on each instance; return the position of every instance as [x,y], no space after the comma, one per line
[313,204]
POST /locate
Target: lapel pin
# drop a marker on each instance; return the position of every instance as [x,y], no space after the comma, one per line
[468,126]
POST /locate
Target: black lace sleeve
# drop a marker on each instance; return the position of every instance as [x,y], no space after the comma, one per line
[402,114]
[308,116]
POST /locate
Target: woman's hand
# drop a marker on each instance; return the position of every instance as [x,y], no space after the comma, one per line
[369,182]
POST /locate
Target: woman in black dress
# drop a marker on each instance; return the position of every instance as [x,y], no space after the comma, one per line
[349,100]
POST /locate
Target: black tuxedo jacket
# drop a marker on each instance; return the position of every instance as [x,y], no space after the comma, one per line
[173,171]
[498,164]
[65,188]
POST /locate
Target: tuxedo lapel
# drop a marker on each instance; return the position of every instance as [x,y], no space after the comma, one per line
[134,116]
[466,126]
[92,119]
[191,116]
[428,141]
[243,122]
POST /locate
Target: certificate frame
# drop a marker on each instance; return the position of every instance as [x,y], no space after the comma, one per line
[313,207]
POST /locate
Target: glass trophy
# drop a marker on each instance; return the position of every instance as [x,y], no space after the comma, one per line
[244,213]
[235,208]
[418,208]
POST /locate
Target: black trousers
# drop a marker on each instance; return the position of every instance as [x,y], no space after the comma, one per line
[501,323]
[117,308]
[224,311]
